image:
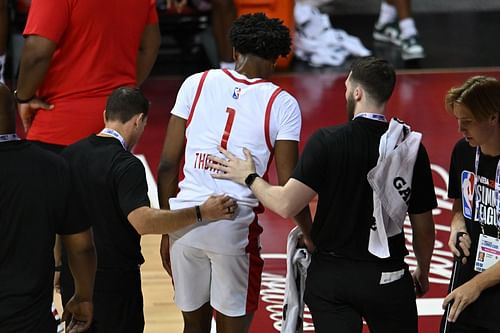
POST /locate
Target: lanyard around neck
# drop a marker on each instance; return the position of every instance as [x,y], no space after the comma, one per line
[116,135]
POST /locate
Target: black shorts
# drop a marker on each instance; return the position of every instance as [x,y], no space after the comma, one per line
[340,293]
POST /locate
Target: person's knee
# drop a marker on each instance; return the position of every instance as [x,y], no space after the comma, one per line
[227,324]
[199,320]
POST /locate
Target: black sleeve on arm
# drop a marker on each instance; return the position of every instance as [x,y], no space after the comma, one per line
[132,187]
[423,196]
[311,167]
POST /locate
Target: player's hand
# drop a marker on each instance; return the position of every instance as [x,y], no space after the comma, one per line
[464,242]
[218,207]
[165,254]
[232,168]
[27,111]
[420,281]
[79,313]
[461,297]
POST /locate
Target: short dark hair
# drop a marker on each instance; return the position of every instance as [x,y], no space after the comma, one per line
[377,76]
[259,35]
[126,102]
[480,94]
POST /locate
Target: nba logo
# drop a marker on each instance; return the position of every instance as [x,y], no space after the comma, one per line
[236,93]
[467,181]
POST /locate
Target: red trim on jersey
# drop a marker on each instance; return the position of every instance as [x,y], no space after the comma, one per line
[225,70]
[196,97]
[256,266]
[267,128]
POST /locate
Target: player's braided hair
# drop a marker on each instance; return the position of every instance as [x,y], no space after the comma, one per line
[259,35]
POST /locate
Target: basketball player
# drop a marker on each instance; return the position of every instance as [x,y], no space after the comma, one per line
[218,266]
[35,188]
[346,281]
[113,184]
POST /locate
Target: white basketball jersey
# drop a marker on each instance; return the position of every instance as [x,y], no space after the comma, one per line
[225,108]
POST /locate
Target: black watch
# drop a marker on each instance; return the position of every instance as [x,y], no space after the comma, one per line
[22,101]
[250,179]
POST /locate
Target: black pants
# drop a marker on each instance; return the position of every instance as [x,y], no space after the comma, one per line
[118,302]
[340,293]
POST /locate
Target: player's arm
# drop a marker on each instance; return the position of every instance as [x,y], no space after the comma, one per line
[170,160]
[286,157]
[35,61]
[423,245]
[148,220]
[168,174]
[148,50]
[83,263]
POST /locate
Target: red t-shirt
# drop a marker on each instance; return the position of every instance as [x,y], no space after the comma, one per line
[97,46]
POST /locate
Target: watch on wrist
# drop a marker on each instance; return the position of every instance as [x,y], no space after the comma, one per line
[22,101]
[251,178]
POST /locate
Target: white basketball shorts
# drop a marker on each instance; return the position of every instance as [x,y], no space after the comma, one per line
[231,283]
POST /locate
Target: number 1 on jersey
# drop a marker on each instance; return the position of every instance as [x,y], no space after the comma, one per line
[227,129]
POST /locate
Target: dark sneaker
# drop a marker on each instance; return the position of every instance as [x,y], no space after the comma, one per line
[411,48]
[388,33]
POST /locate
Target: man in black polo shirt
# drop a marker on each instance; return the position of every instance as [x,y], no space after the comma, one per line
[346,282]
[113,185]
[35,187]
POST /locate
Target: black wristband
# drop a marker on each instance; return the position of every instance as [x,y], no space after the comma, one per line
[57,268]
[22,101]
[250,179]
[198,213]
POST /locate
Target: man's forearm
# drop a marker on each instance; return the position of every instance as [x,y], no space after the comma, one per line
[148,51]
[423,239]
[304,221]
[152,221]
[272,197]
[35,62]
[488,278]
[83,265]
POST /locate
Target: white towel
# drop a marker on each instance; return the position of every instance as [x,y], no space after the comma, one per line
[296,272]
[391,181]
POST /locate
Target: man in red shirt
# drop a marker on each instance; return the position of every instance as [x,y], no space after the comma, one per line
[76,53]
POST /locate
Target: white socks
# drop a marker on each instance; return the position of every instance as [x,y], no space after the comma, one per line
[2,66]
[407,28]
[387,14]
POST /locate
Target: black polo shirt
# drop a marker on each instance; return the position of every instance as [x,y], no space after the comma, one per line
[112,183]
[335,163]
